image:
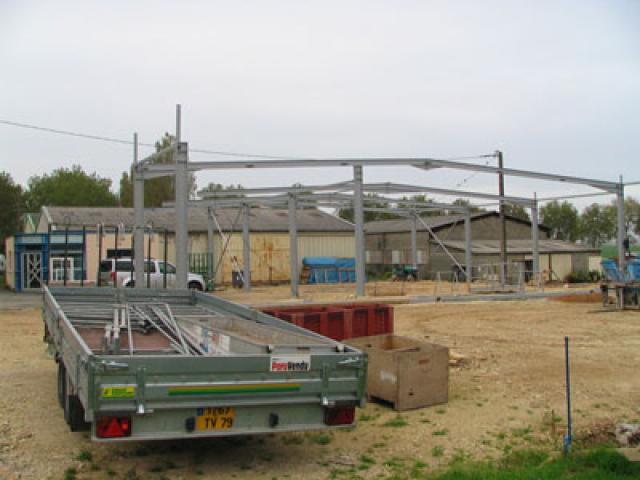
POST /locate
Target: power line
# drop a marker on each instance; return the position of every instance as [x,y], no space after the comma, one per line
[73,134]
[122,141]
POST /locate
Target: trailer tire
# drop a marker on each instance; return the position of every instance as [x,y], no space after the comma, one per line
[195,286]
[74,413]
[62,383]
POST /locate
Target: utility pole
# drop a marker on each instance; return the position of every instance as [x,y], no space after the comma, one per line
[503,224]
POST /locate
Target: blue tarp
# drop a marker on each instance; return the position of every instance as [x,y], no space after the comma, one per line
[634,269]
[330,269]
[612,272]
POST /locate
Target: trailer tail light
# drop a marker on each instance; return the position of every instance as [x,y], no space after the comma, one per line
[340,415]
[113,277]
[113,427]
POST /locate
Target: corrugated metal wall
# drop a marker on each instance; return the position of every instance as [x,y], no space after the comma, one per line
[334,245]
[270,252]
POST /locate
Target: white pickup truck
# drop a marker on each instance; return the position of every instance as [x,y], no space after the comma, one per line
[120,272]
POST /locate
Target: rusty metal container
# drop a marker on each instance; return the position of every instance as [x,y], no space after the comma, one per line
[339,322]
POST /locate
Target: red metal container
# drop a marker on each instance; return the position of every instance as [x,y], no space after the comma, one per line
[339,321]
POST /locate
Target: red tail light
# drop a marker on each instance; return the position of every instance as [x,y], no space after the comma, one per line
[340,415]
[113,427]
[113,277]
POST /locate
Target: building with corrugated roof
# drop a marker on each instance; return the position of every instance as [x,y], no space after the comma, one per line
[388,245]
[93,233]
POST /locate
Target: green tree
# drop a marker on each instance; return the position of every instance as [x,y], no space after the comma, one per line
[156,190]
[597,224]
[517,211]
[462,202]
[11,204]
[371,200]
[563,219]
[421,198]
[70,188]
[631,215]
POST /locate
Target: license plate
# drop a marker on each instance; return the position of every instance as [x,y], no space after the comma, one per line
[219,418]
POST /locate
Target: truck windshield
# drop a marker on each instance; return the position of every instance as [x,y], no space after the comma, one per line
[169,268]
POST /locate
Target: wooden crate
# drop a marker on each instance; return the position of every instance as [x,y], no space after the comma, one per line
[406,372]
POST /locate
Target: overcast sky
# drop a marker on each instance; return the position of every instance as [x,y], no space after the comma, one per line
[555,85]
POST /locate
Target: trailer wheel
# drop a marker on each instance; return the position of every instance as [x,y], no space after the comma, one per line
[74,412]
[62,383]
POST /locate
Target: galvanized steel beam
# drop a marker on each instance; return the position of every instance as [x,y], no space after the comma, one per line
[138,215]
[293,245]
[535,244]
[182,208]
[622,231]
[246,247]
[468,254]
[358,215]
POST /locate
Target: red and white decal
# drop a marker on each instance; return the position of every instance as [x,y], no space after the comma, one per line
[290,363]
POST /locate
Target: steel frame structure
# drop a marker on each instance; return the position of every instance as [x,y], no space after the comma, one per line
[181,169]
[293,201]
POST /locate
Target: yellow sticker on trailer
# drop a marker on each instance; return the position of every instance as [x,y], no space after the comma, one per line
[118,392]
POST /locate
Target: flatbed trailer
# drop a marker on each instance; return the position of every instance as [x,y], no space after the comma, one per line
[145,364]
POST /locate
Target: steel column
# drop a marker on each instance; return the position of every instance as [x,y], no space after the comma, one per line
[414,242]
[210,245]
[138,213]
[246,247]
[358,215]
[182,207]
[468,254]
[535,242]
[621,225]
[503,225]
[293,245]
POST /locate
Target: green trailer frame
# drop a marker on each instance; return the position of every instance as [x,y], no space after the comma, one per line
[164,395]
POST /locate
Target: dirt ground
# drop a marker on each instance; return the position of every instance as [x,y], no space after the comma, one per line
[382,291]
[509,393]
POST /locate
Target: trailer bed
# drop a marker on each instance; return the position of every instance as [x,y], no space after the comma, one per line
[151,364]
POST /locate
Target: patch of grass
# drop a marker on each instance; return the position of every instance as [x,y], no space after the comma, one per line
[293,440]
[440,433]
[379,445]
[70,473]
[367,459]
[321,439]
[441,411]
[111,472]
[396,422]
[365,418]
[521,432]
[425,420]
[266,456]
[84,455]
[501,435]
[437,451]
[141,451]
[395,462]
[132,474]
[533,464]
[95,467]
